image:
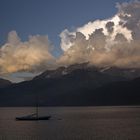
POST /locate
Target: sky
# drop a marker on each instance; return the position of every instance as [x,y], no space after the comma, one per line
[36,35]
[50,17]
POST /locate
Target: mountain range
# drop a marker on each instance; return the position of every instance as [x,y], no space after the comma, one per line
[4,83]
[75,85]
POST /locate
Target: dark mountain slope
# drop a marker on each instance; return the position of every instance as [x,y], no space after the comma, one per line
[75,85]
[4,83]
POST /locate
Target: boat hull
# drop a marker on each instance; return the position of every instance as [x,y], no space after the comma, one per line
[33,118]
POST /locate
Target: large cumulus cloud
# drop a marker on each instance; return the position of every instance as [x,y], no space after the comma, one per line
[109,42]
[32,55]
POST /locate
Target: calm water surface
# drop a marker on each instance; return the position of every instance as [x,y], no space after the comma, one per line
[72,123]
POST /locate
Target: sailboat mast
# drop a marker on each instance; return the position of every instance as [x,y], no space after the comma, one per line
[37,106]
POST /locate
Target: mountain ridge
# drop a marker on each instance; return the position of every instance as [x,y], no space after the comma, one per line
[80,85]
[4,83]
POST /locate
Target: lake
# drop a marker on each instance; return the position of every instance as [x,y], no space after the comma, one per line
[72,123]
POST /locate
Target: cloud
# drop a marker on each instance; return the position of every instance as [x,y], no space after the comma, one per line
[31,55]
[110,26]
[113,41]
[110,42]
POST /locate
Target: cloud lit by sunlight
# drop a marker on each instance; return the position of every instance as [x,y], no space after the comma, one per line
[111,42]
[32,55]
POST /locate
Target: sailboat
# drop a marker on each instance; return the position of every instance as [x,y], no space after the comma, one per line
[33,117]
